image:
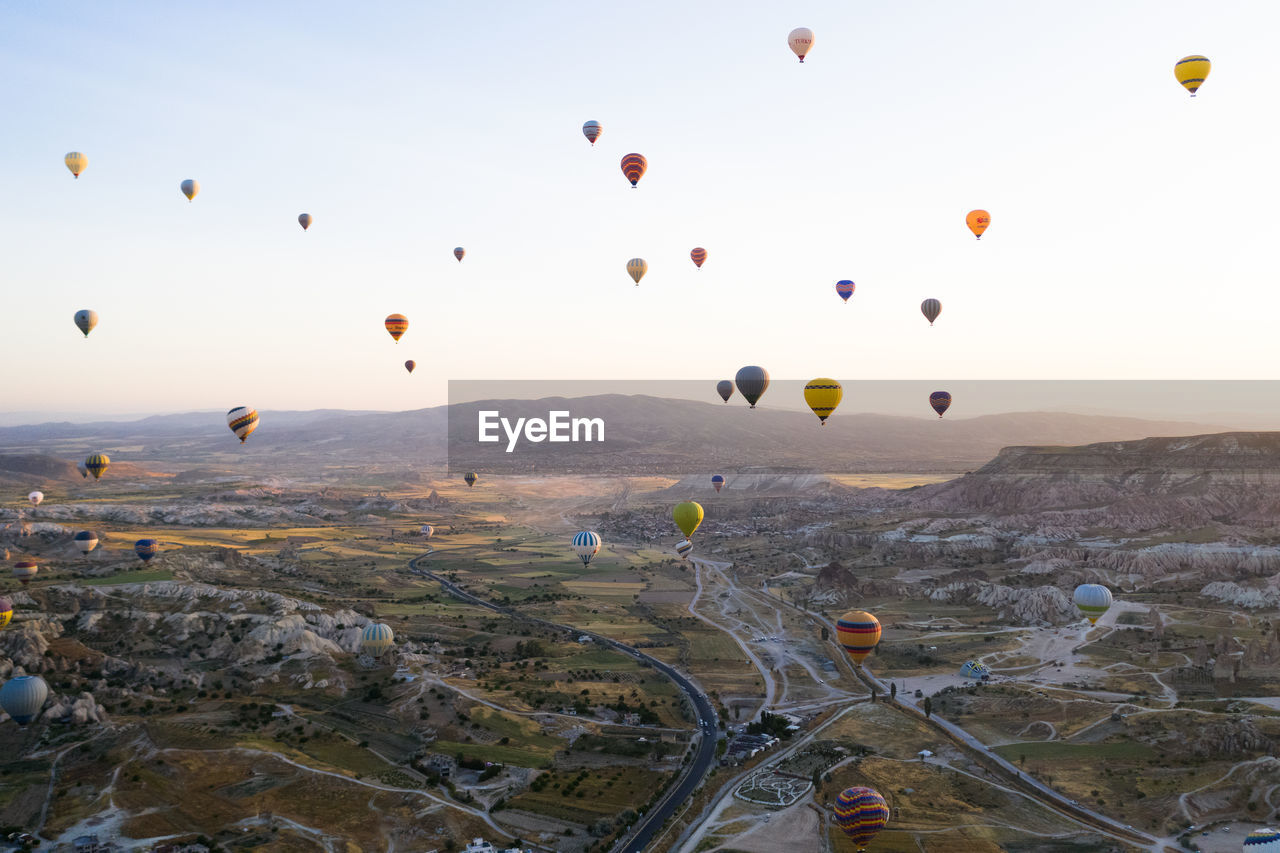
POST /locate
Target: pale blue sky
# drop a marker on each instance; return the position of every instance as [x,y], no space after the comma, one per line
[1132,228]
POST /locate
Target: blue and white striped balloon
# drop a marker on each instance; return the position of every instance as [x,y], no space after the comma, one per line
[1262,841]
[23,697]
[684,548]
[586,545]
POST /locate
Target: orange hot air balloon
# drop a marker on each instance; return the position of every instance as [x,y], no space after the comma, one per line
[978,220]
[634,166]
[396,325]
[699,256]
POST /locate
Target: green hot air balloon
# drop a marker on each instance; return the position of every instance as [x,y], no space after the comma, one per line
[688,516]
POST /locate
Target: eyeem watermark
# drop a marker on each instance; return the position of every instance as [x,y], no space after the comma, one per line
[560,426]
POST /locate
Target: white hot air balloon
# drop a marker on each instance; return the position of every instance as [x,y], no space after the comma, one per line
[427,530]
[1093,600]
[586,545]
[801,41]
[36,498]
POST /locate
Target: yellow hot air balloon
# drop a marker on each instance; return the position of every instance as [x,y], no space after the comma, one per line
[688,516]
[823,395]
[636,268]
[76,162]
[1191,72]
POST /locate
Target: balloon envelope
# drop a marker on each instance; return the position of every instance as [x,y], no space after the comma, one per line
[25,570]
[23,697]
[1093,600]
[725,389]
[586,545]
[800,41]
[146,549]
[687,515]
[592,130]
[396,325]
[941,401]
[376,639]
[36,498]
[978,220]
[1263,841]
[822,395]
[931,308]
[861,813]
[471,478]
[699,256]
[242,421]
[634,166]
[858,632]
[751,383]
[305,220]
[6,612]
[86,541]
[427,530]
[190,188]
[76,162]
[684,549]
[636,268]
[96,464]
[717,482]
[459,252]
[1191,72]
[410,365]
[86,320]
[845,289]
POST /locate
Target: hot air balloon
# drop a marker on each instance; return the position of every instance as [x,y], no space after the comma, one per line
[861,813]
[941,401]
[36,498]
[86,541]
[76,162]
[823,395]
[471,478]
[1191,72]
[242,421]
[1263,841]
[687,515]
[801,41]
[751,383]
[396,325]
[845,289]
[86,320]
[376,639]
[978,220]
[6,612]
[859,632]
[458,253]
[634,166]
[97,464]
[146,549]
[592,130]
[684,548]
[410,365]
[25,570]
[23,697]
[717,482]
[190,188]
[1093,600]
[305,220]
[699,256]
[427,530]
[586,545]
[725,389]
[931,308]
[636,268]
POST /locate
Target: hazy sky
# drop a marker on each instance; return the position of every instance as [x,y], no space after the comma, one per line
[1133,228]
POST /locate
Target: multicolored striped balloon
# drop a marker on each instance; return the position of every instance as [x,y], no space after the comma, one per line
[243,421]
[376,639]
[1191,72]
[97,464]
[1093,600]
[471,478]
[634,166]
[592,130]
[845,289]
[861,813]
[6,612]
[1263,841]
[25,570]
[76,162]
[699,256]
[859,632]
[397,325]
[459,253]
[146,549]
[684,548]
[636,268]
[941,401]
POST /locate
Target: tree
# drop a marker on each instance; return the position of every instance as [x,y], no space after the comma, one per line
[893,690]
[873,693]
[928,707]
[826,635]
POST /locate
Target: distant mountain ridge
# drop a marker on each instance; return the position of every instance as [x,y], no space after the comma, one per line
[644,435]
